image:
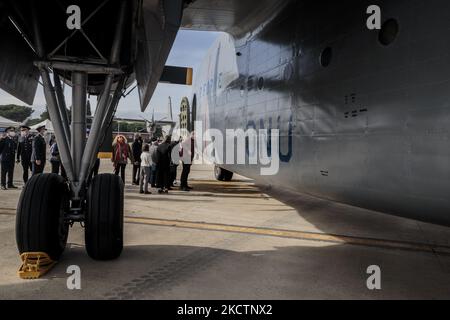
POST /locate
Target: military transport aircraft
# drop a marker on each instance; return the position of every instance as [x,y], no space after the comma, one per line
[363,113]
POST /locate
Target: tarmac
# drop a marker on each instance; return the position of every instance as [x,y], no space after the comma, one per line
[235,240]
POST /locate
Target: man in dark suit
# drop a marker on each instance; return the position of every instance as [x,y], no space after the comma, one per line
[163,160]
[163,164]
[39,153]
[136,148]
[24,151]
[8,148]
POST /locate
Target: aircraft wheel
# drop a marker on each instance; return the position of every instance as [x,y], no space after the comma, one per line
[104,217]
[228,175]
[222,174]
[40,225]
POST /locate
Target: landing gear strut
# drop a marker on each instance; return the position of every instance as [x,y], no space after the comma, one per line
[48,204]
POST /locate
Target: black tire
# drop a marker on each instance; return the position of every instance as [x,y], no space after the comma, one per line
[222,174]
[40,222]
[104,217]
[227,175]
[218,174]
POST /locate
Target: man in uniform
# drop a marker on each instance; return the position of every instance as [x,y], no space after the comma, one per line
[8,148]
[24,151]
[39,153]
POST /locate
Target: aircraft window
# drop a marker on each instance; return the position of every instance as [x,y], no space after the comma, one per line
[325,57]
[260,83]
[388,33]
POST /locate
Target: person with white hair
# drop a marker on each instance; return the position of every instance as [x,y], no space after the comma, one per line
[187,153]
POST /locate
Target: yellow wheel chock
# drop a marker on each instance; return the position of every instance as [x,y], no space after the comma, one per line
[35,265]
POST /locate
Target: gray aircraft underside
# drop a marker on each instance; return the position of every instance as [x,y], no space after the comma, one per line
[363,113]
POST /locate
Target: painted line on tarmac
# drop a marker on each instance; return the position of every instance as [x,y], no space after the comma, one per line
[293,234]
[280,233]
[8,211]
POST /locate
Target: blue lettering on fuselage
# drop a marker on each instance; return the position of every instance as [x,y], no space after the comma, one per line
[284,157]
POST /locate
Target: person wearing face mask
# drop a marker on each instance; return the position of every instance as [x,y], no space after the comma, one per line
[24,150]
[39,152]
[8,148]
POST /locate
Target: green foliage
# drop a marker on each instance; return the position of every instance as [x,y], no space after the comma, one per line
[32,122]
[15,112]
[158,133]
[44,116]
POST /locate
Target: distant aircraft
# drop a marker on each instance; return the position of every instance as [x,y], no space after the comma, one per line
[161,127]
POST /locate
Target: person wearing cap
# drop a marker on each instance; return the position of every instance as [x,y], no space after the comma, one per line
[8,148]
[24,150]
[38,155]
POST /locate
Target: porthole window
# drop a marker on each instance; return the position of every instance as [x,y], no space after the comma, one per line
[325,57]
[388,33]
[260,83]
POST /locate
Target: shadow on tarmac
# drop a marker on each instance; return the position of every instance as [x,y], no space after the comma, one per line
[291,272]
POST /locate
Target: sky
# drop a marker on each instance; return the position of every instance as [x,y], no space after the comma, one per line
[189,49]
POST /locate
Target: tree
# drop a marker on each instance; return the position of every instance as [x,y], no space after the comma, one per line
[158,133]
[15,112]
[125,126]
[44,116]
[32,122]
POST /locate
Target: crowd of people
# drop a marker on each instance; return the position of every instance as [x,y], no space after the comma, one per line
[152,161]
[28,149]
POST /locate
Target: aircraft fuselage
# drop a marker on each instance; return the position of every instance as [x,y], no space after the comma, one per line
[363,114]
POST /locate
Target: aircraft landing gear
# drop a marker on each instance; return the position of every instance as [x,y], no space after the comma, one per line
[40,223]
[104,217]
[49,205]
[221,174]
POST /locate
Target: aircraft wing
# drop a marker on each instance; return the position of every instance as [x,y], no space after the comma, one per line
[236,17]
[18,76]
[150,30]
